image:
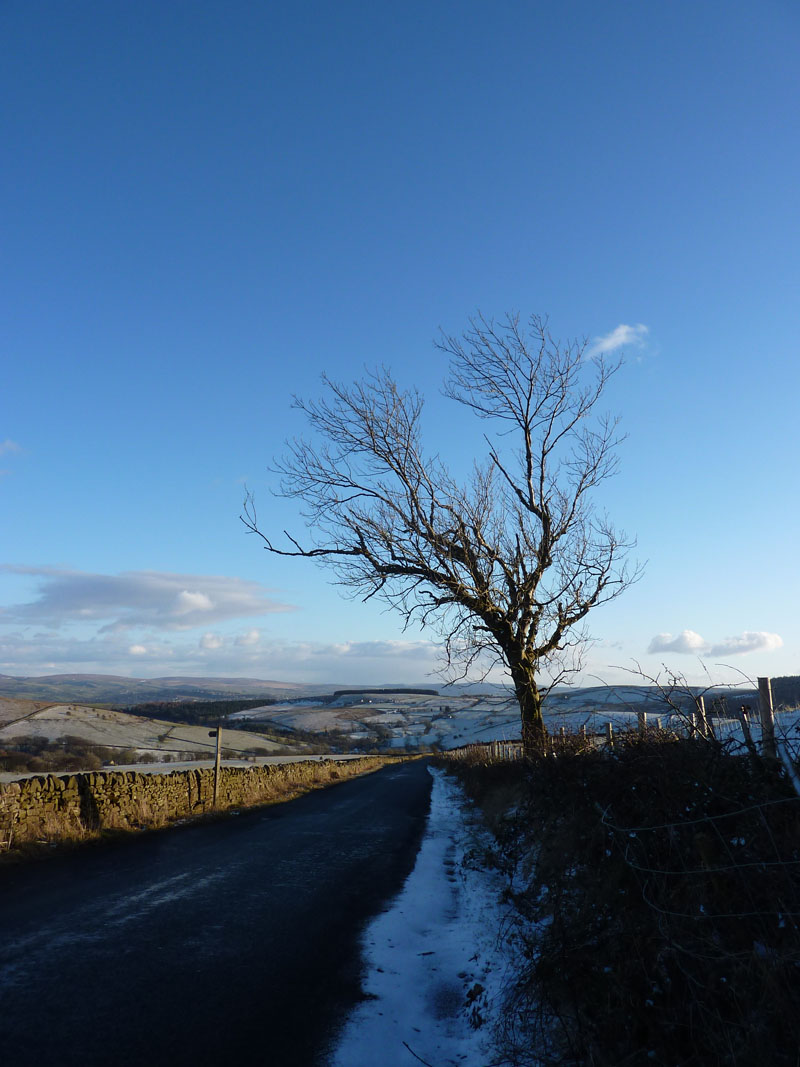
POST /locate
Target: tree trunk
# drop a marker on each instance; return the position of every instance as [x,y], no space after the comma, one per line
[530,708]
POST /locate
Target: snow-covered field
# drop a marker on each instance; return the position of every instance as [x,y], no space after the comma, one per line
[115,729]
[436,961]
[787,730]
[451,719]
[403,721]
[410,719]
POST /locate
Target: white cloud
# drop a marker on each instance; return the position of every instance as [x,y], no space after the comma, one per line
[119,602]
[252,637]
[8,446]
[348,662]
[619,337]
[382,649]
[687,641]
[186,602]
[690,643]
[749,641]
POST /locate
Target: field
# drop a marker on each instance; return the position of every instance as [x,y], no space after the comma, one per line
[114,730]
[452,718]
[396,720]
[354,721]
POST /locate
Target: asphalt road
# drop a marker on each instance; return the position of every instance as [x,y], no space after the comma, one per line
[229,942]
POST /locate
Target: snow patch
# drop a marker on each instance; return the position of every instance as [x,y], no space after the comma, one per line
[437,959]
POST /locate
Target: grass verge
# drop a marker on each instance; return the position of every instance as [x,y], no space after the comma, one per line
[655,893]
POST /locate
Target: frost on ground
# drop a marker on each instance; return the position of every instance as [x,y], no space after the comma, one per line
[437,959]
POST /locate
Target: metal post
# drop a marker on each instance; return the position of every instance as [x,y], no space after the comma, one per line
[768,747]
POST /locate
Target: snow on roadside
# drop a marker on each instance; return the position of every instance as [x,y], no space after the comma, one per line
[435,961]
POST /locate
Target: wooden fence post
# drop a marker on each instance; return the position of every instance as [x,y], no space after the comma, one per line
[610,734]
[642,721]
[702,718]
[768,747]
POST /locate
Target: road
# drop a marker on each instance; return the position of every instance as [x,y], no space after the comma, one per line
[208,943]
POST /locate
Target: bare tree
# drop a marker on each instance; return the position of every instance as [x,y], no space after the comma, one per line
[504,566]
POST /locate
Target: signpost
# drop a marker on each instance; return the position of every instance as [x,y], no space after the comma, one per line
[218,734]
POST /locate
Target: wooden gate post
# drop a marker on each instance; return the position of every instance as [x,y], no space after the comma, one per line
[768,747]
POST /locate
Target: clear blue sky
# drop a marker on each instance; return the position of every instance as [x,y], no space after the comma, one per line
[206,205]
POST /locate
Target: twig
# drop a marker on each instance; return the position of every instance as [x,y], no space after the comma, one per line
[416,1057]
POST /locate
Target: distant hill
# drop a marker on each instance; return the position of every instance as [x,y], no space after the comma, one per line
[113,689]
[119,690]
[786,691]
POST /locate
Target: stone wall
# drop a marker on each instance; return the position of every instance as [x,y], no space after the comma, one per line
[47,807]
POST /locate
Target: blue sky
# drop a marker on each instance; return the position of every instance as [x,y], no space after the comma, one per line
[207,205]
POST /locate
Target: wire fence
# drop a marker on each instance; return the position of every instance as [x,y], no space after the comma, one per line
[760,731]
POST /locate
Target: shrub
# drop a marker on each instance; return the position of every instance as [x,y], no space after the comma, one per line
[656,892]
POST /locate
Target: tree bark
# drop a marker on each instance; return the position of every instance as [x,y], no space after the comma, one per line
[530,707]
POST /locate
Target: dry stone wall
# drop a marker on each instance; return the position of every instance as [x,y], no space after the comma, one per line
[50,807]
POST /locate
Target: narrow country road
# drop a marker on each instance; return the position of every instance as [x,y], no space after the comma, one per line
[229,942]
